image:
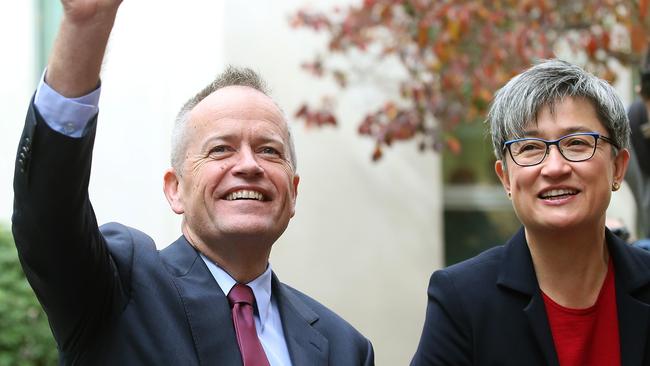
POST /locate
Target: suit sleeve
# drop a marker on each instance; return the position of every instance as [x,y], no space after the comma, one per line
[370,354]
[62,252]
[446,337]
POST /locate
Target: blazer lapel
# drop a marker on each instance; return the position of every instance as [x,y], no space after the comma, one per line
[536,313]
[206,307]
[518,274]
[306,345]
[633,314]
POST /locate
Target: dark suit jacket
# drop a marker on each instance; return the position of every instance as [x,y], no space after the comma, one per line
[113,299]
[489,309]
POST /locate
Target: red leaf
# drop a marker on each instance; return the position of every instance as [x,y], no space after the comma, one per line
[302,112]
[376,155]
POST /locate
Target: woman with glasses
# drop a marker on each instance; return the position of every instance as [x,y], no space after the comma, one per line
[563,290]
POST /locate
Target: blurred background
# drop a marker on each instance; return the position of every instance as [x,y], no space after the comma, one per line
[385,100]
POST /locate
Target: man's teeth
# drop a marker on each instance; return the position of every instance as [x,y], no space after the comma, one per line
[245,194]
[558,192]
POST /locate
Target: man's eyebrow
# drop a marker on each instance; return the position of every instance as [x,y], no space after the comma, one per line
[270,139]
[232,137]
[217,138]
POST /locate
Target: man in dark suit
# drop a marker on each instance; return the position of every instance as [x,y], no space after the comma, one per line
[210,298]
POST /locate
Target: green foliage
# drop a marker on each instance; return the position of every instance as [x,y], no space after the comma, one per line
[25,336]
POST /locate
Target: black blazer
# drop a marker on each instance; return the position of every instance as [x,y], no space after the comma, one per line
[489,309]
[113,299]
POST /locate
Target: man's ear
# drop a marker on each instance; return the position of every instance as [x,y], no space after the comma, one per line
[172,189]
[502,172]
[296,180]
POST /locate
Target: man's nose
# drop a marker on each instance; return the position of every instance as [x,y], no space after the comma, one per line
[247,163]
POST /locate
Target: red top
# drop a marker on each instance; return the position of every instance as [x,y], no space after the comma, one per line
[587,336]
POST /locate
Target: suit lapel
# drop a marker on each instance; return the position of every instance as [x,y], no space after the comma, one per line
[306,345]
[206,307]
[536,313]
[518,273]
[633,314]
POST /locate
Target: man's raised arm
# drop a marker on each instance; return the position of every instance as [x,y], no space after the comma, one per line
[76,59]
[63,254]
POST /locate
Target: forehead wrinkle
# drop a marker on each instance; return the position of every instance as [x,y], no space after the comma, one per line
[245,102]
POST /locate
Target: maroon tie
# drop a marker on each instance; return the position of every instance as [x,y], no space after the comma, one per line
[241,301]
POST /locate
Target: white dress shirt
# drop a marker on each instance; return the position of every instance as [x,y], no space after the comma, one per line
[267,317]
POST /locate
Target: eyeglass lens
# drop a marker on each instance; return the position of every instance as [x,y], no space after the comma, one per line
[573,147]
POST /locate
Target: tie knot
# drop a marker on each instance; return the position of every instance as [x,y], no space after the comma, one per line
[241,294]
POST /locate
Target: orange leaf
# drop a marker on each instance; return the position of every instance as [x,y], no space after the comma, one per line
[390,110]
[643,9]
[638,38]
[454,145]
[423,36]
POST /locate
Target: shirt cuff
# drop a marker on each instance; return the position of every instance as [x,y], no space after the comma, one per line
[68,116]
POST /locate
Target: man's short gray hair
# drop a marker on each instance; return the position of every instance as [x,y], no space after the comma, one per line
[518,103]
[232,76]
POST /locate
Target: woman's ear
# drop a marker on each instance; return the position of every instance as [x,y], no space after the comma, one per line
[502,172]
[621,162]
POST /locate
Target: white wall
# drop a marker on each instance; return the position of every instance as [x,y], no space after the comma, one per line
[16,87]
[365,237]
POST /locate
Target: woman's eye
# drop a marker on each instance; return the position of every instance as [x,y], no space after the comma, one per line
[529,148]
[577,142]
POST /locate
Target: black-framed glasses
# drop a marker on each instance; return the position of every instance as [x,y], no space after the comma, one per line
[575,147]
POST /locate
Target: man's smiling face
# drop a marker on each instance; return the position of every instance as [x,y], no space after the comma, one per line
[237,179]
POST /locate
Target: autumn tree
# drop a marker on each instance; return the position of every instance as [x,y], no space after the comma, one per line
[456,54]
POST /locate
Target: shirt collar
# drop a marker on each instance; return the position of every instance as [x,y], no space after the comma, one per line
[261,287]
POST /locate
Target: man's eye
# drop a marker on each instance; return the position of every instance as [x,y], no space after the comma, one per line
[219,149]
[269,151]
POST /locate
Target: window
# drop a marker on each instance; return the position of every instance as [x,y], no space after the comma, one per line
[48,16]
[477,212]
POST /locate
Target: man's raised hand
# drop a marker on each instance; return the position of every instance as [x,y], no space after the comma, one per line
[76,59]
[82,11]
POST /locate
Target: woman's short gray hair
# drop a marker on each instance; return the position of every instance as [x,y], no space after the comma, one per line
[232,76]
[518,103]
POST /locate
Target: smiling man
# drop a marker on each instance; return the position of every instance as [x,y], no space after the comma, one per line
[209,298]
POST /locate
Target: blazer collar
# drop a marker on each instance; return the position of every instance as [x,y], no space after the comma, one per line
[307,346]
[206,306]
[208,313]
[518,274]
[632,276]
[632,279]
[517,271]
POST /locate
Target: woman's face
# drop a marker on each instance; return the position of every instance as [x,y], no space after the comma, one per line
[557,193]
